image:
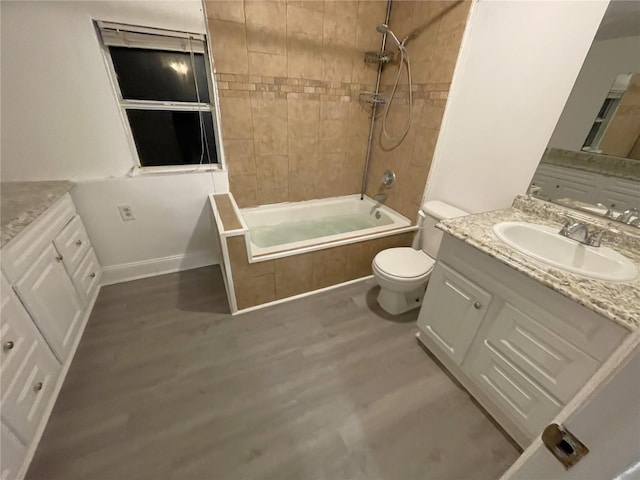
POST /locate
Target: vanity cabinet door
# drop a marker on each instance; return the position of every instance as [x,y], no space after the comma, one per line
[13,453]
[52,300]
[452,311]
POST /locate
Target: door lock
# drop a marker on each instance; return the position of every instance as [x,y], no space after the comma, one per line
[563,445]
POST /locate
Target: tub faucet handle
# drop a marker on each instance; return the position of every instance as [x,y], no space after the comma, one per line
[389,178]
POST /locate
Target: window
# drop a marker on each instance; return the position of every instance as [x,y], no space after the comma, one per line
[164,86]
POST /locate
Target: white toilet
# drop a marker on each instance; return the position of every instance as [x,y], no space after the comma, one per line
[403,272]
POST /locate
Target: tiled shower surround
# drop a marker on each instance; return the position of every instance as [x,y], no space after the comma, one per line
[290,76]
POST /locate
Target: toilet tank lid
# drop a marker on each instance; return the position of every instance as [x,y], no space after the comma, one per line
[442,210]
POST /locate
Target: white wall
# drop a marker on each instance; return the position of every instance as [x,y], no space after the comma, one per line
[61,121]
[517,66]
[605,61]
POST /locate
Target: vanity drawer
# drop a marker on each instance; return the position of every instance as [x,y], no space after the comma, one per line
[543,356]
[18,337]
[87,276]
[72,243]
[23,405]
[13,453]
[23,250]
[517,397]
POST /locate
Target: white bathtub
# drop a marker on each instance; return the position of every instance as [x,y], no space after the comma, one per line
[292,228]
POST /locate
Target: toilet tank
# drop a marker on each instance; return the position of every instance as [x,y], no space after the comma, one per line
[434,211]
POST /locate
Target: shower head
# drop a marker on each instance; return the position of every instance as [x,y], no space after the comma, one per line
[384,28]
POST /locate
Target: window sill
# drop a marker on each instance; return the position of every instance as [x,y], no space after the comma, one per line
[168,170]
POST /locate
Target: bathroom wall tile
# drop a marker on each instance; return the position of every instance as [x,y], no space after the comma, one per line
[426,20]
[229,46]
[269,196]
[338,40]
[268,64]
[358,259]
[303,119]
[304,42]
[329,267]
[240,156]
[421,71]
[244,189]
[266,24]
[430,117]
[331,144]
[303,19]
[448,43]
[316,5]
[303,153]
[359,119]
[273,177]
[294,275]
[367,39]
[302,185]
[424,147]
[270,126]
[252,291]
[240,266]
[333,128]
[232,11]
[330,110]
[236,118]
[304,56]
[330,181]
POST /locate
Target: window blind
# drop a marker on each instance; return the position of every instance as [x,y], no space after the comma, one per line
[121,35]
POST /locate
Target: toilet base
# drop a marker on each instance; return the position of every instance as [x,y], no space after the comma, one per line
[396,303]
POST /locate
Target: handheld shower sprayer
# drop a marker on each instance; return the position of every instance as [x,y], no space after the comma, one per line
[404,61]
[384,28]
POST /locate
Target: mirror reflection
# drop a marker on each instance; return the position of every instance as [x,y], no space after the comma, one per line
[592,162]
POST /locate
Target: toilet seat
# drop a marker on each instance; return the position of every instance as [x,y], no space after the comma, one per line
[403,263]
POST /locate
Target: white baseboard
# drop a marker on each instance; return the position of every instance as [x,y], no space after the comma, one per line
[126,272]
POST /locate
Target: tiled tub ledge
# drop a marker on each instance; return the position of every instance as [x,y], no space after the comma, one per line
[258,280]
[618,302]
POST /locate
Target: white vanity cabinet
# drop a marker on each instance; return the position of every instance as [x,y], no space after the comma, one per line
[48,292]
[456,308]
[521,349]
[50,280]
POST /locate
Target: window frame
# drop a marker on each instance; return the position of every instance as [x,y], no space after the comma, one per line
[125,104]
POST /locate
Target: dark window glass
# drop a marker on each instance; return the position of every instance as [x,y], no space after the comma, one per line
[161,75]
[172,137]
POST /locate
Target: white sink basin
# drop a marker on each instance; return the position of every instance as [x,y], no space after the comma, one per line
[546,245]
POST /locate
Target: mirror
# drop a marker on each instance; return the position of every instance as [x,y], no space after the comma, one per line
[592,162]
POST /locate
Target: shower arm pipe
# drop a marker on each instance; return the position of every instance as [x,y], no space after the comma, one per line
[367,157]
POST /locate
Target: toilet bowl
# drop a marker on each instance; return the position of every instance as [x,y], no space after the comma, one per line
[403,272]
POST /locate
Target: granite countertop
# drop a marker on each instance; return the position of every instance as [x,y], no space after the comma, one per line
[593,162]
[619,302]
[22,202]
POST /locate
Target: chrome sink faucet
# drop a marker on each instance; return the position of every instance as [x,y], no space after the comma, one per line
[575,230]
[628,214]
[580,232]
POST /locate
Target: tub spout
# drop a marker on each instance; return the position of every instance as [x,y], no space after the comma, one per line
[380,197]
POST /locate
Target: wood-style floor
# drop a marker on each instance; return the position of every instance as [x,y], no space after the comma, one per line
[166,384]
